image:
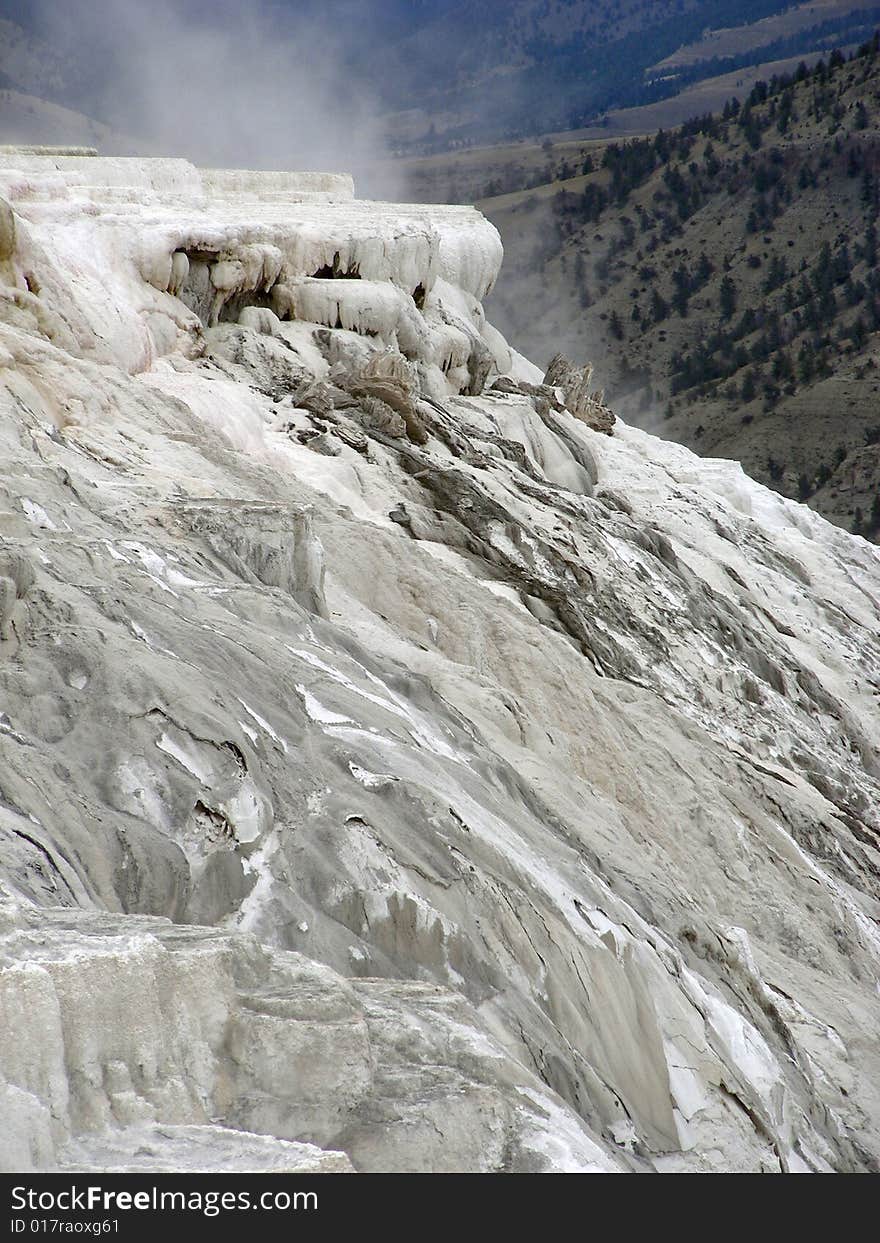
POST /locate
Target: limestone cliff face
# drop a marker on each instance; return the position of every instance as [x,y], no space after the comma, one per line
[396,771]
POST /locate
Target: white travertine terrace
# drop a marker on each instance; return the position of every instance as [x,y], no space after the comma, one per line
[252,236]
[402,764]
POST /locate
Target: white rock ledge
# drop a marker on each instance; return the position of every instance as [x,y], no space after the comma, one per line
[398,756]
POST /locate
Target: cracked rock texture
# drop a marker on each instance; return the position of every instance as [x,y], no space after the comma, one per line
[403,764]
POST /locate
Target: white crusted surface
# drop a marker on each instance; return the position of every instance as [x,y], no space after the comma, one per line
[562,781]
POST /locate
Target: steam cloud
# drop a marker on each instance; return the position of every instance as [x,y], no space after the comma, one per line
[258,85]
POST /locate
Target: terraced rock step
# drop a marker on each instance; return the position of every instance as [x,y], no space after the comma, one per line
[398,754]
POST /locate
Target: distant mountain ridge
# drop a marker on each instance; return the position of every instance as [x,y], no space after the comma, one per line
[536,66]
[458,72]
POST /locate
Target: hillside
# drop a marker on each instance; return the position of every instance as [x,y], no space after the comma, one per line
[733,42]
[434,77]
[31,119]
[538,65]
[724,278]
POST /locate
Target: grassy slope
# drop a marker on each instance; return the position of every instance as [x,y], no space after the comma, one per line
[734,40]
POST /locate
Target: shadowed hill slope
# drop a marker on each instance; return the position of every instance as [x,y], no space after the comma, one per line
[724,277]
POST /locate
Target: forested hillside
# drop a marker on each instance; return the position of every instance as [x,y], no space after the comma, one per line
[724,277]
